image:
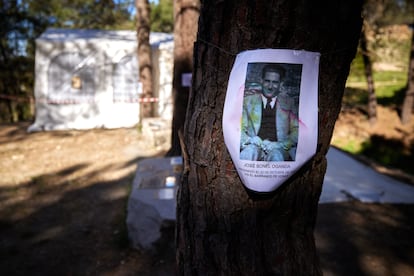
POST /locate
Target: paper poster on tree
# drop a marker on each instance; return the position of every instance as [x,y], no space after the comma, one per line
[270,117]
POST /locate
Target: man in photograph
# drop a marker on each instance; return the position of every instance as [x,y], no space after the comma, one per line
[269,130]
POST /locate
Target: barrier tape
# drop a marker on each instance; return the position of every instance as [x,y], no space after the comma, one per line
[67,101]
[73,101]
[16,98]
[147,100]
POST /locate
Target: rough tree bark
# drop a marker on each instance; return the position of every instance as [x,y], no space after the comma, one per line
[407,108]
[186,14]
[372,98]
[221,228]
[144,57]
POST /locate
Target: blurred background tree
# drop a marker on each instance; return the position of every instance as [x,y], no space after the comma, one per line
[401,12]
[389,35]
[186,15]
[379,15]
[144,54]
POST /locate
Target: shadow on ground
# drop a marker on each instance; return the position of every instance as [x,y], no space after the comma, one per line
[59,224]
[354,238]
[82,232]
[70,219]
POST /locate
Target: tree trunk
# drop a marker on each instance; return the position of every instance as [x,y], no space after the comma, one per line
[408,103]
[186,14]
[144,57]
[221,228]
[14,115]
[372,98]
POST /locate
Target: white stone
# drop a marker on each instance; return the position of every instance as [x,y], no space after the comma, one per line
[152,203]
[347,179]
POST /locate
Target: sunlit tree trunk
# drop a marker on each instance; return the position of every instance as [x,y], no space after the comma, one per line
[186,14]
[372,98]
[221,228]
[144,57]
[407,108]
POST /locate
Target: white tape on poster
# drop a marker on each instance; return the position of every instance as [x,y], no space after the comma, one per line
[270,117]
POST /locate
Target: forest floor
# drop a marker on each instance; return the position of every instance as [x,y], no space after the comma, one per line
[63,199]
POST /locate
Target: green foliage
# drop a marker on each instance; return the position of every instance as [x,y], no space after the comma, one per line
[356,73]
[388,12]
[388,83]
[16,88]
[354,97]
[162,16]
[351,146]
[16,67]
[88,14]
[389,86]
[391,56]
[391,45]
[389,152]
[397,12]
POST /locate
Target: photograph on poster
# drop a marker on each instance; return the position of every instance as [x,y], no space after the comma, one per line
[269,126]
[270,115]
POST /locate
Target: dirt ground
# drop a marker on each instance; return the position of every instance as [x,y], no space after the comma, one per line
[63,199]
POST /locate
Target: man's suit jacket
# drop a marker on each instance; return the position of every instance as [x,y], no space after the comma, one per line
[286,119]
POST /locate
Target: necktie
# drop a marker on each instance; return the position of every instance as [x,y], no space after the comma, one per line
[268,106]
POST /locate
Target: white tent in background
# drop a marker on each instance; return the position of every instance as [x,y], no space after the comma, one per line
[89,79]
